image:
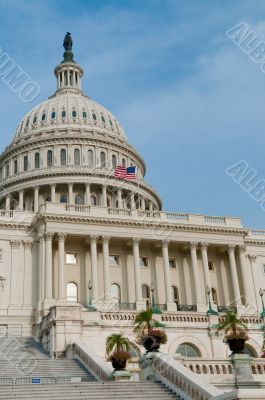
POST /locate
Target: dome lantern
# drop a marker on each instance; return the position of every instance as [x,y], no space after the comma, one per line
[68,72]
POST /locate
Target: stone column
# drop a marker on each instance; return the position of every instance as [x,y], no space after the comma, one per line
[8,202]
[27,295]
[119,199]
[36,199]
[171,306]
[246,275]
[94,265]
[70,193]
[132,201]
[195,273]
[234,277]
[21,200]
[151,208]
[61,265]
[40,269]
[104,195]
[143,203]
[16,286]
[106,267]
[53,193]
[206,274]
[48,266]
[88,194]
[140,304]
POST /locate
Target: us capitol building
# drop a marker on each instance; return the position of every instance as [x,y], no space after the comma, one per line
[82,251]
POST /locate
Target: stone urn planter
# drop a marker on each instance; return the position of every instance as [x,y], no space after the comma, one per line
[236,345]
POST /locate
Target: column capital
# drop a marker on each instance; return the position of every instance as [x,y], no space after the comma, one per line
[241,248]
[49,235]
[53,184]
[36,187]
[193,245]
[135,240]
[165,243]
[252,257]
[93,238]
[61,236]
[106,238]
[204,245]
[14,243]
[231,248]
[28,244]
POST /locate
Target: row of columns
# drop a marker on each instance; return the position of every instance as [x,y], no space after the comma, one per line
[142,201]
[135,243]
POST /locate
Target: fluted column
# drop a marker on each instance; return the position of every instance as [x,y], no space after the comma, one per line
[70,193]
[132,201]
[40,269]
[195,272]
[104,195]
[206,274]
[48,266]
[143,203]
[106,267]
[53,193]
[21,200]
[88,194]
[246,275]
[36,199]
[27,295]
[8,202]
[119,199]
[171,306]
[236,291]
[61,265]
[15,299]
[137,273]
[94,265]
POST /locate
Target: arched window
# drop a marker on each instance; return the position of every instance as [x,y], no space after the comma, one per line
[63,198]
[175,294]
[250,351]
[49,158]
[15,167]
[77,157]
[90,156]
[26,163]
[72,292]
[146,294]
[63,157]
[115,292]
[123,162]
[187,350]
[214,296]
[37,160]
[93,200]
[114,161]
[103,159]
[79,199]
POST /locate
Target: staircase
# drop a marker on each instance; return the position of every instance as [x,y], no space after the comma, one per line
[61,379]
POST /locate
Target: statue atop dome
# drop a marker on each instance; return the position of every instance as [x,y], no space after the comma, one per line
[68,42]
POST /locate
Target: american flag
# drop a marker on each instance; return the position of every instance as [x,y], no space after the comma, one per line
[125,173]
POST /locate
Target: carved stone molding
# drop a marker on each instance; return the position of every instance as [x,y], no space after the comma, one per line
[28,244]
[49,235]
[241,248]
[61,236]
[14,243]
[252,258]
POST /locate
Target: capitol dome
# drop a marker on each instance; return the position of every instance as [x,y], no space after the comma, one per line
[66,150]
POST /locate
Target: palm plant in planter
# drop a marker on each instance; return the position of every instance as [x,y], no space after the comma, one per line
[235,331]
[148,332]
[117,349]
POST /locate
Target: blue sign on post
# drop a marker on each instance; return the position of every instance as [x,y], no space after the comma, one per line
[35,380]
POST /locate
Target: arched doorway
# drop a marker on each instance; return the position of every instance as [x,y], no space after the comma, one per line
[72,292]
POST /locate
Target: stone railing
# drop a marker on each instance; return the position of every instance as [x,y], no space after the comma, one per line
[141,215]
[20,217]
[183,317]
[258,367]
[185,383]
[100,369]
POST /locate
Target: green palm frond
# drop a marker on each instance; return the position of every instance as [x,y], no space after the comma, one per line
[143,321]
[116,342]
[231,323]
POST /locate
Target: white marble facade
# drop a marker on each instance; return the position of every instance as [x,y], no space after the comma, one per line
[65,222]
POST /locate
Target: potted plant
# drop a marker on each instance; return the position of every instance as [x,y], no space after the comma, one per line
[117,349]
[148,332]
[235,331]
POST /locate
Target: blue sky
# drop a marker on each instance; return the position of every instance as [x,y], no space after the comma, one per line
[189,100]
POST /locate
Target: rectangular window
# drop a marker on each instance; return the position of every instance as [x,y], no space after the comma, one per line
[143,262]
[211,265]
[72,258]
[25,163]
[172,263]
[15,167]
[114,261]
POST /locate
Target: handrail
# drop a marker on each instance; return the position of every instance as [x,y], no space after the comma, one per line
[185,383]
[100,369]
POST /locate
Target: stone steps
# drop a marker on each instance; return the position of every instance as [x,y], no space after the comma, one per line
[88,390]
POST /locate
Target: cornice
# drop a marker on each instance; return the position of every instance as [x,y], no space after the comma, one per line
[253,242]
